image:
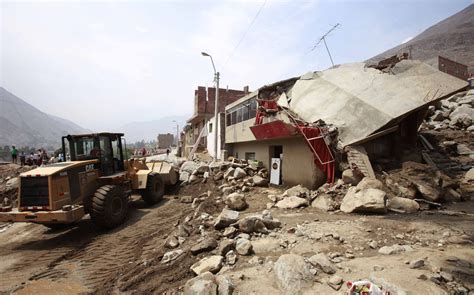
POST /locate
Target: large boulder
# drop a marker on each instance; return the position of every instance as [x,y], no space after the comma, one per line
[211,263]
[13,183]
[291,203]
[251,224]
[226,218]
[225,285]
[403,205]
[184,176]
[324,202]
[236,201]
[292,273]
[229,172]
[369,200]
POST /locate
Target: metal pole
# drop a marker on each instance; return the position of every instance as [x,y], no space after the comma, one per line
[216,110]
[324,40]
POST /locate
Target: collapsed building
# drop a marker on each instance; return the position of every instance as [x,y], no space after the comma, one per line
[305,127]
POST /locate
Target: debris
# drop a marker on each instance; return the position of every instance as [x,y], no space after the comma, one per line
[243,247]
[335,282]
[324,202]
[201,285]
[395,249]
[236,201]
[403,205]
[171,255]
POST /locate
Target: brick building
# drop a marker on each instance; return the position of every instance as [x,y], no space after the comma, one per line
[204,99]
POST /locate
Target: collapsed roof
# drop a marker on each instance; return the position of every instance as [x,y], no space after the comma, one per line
[360,101]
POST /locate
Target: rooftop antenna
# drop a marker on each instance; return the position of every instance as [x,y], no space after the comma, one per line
[323,39]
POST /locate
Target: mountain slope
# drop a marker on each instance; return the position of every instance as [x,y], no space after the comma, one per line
[452,38]
[149,130]
[22,124]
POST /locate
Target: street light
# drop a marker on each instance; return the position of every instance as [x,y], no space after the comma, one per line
[177,130]
[216,103]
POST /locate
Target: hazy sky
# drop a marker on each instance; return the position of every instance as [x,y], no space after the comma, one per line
[104,64]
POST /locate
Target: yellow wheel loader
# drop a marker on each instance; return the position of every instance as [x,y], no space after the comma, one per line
[97,180]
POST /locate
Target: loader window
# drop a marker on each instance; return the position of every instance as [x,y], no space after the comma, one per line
[84,149]
[106,157]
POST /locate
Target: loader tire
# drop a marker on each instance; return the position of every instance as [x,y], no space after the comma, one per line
[155,189]
[109,206]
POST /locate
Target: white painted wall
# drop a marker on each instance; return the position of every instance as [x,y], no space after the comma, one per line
[210,138]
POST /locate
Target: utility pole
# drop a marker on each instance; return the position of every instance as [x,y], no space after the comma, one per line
[323,39]
[216,104]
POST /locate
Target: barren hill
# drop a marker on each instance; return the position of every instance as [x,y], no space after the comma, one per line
[452,38]
[22,124]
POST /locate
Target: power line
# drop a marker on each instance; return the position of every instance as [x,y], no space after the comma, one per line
[246,31]
[323,39]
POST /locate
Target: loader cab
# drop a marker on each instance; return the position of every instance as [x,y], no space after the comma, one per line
[106,147]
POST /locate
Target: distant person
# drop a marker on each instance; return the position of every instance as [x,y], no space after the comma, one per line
[14,154]
[22,158]
[167,152]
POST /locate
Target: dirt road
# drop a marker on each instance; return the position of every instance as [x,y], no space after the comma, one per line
[82,257]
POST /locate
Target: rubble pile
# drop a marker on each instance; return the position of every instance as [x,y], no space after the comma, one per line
[455,112]
[9,183]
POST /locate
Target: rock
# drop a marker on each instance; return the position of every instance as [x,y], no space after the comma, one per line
[427,190]
[171,242]
[226,218]
[251,224]
[373,245]
[203,168]
[231,257]
[350,176]
[461,115]
[229,232]
[239,173]
[395,249]
[292,273]
[189,167]
[469,176]
[236,201]
[417,263]
[297,191]
[225,246]
[171,255]
[403,204]
[451,195]
[259,181]
[229,172]
[365,201]
[13,183]
[225,285]
[438,116]
[322,262]
[291,203]
[335,282]
[218,176]
[369,182]
[186,199]
[182,231]
[228,190]
[201,285]
[211,263]
[184,176]
[243,247]
[446,276]
[463,149]
[194,179]
[205,245]
[324,202]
